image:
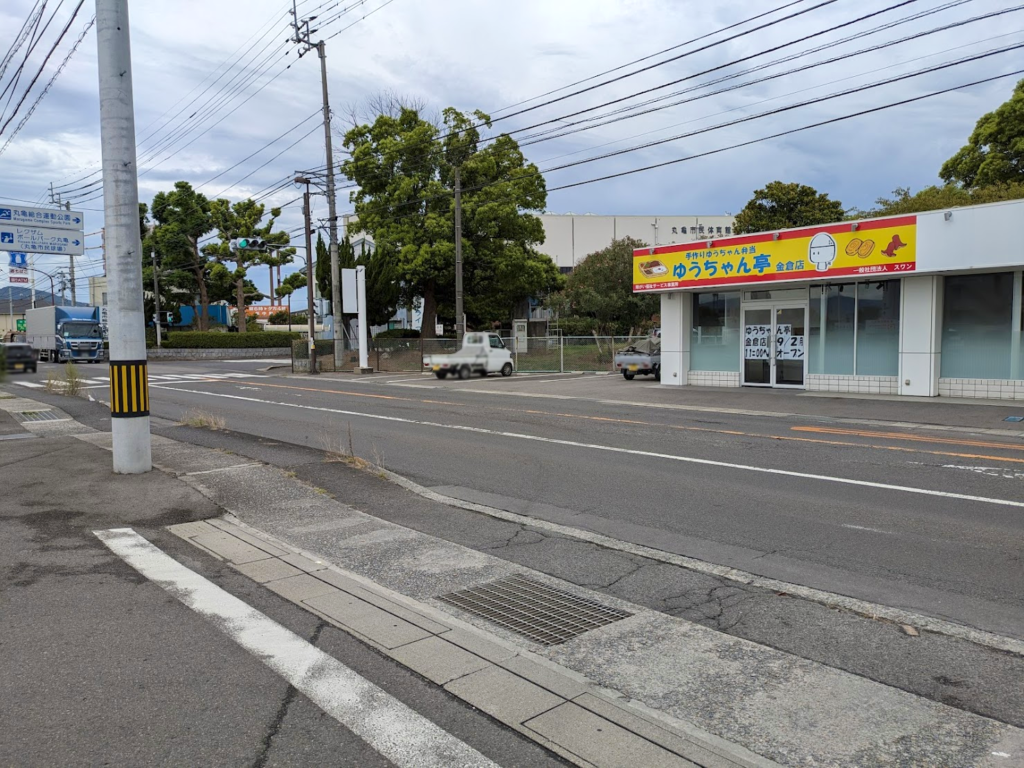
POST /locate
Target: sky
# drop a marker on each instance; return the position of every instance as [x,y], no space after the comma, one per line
[216,82]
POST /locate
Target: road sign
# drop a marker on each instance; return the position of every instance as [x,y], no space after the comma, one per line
[19,326]
[19,259]
[41,240]
[41,217]
[21,280]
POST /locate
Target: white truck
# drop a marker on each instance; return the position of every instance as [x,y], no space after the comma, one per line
[482,353]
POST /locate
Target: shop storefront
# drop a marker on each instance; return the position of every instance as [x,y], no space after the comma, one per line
[926,305]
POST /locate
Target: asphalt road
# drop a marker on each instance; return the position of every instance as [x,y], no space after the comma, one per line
[924,519]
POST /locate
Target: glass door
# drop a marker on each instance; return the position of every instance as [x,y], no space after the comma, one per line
[757,347]
[790,358]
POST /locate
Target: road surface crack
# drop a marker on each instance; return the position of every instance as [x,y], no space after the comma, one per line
[282,710]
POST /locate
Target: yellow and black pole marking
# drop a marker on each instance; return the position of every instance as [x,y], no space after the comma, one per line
[129,389]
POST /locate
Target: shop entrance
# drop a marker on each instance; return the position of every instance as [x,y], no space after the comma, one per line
[774,345]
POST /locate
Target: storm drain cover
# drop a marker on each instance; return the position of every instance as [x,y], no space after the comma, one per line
[37,416]
[1014,418]
[545,615]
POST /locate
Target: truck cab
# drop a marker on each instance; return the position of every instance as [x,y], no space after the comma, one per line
[482,353]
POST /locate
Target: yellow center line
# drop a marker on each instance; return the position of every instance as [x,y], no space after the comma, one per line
[906,436]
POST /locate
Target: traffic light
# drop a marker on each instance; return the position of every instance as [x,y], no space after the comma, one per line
[248,244]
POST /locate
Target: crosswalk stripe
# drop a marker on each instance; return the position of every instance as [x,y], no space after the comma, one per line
[400,734]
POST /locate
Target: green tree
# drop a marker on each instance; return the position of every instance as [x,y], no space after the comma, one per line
[994,153]
[182,218]
[937,198]
[241,219]
[323,267]
[598,295]
[383,289]
[784,206]
[405,171]
[288,286]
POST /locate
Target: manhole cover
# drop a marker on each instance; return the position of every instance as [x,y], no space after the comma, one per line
[545,615]
[24,416]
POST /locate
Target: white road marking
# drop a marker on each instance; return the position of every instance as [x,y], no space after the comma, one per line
[1005,472]
[31,384]
[617,449]
[401,735]
[864,528]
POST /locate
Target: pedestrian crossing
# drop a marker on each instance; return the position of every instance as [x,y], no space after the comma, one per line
[102,381]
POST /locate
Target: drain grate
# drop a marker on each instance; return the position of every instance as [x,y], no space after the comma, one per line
[545,615]
[47,415]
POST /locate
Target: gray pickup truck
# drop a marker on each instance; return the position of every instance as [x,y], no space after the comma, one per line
[643,357]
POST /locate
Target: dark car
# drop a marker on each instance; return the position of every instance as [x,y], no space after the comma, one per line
[19,357]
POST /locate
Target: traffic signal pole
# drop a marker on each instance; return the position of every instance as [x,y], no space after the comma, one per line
[129,383]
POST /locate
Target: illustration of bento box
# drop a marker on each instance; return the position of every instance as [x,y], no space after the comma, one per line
[653,268]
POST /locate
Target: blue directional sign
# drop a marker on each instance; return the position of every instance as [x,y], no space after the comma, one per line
[41,240]
[51,218]
[18,260]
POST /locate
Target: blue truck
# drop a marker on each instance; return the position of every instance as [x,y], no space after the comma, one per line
[66,334]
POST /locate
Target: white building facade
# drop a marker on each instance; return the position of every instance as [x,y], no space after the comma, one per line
[569,237]
[924,305]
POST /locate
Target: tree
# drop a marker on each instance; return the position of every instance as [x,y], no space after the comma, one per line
[323,267]
[288,286]
[383,289]
[937,198]
[405,171]
[599,293]
[242,219]
[784,206]
[994,153]
[183,218]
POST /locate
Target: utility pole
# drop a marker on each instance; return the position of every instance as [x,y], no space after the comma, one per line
[32,271]
[156,301]
[302,37]
[310,276]
[71,257]
[460,320]
[129,381]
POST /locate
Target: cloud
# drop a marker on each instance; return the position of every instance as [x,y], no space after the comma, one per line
[192,122]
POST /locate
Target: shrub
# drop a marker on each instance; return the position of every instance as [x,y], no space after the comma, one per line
[398,333]
[214,340]
[278,318]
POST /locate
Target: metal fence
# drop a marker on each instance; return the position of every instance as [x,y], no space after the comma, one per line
[539,354]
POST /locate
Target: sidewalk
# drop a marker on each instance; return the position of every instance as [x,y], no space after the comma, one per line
[630,686]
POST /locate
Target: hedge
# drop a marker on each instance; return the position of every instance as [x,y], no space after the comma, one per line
[398,333]
[215,340]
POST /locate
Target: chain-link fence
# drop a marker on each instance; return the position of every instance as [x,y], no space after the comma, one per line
[538,354]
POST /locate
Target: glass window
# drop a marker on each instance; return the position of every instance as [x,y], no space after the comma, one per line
[830,343]
[878,328]
[977,320]
[715,345]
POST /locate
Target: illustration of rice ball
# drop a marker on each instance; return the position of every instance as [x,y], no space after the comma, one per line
[866,248]
[853,246]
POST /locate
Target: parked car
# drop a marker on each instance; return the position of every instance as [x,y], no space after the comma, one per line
[19,357]
[643,357]
[482,353]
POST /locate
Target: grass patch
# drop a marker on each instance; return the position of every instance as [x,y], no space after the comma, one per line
[202,420]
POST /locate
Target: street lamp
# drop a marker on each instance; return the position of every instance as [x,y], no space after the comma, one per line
[309,276]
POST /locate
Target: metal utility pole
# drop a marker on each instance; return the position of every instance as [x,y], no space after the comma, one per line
[129,382]
[310,276]
[71,257]
[156,301]
[460,320]
[302,37]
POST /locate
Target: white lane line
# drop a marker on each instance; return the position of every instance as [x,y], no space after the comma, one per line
[617,449]
[401,735]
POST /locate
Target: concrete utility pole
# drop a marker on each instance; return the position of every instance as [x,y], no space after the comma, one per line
[156,301]
[310,276]
[460,320]
[71,257]
[302,37]
[129,381]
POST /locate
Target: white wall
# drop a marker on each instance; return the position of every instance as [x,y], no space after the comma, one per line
[979,237]
[676,319]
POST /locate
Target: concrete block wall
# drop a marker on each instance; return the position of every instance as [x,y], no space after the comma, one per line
[987,389]
[713,378]
[869,385]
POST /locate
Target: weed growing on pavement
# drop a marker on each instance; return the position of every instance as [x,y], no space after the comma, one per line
[53,383]
[72,380]
[202,420]
[337,452]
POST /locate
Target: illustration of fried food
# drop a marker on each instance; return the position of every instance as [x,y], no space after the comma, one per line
[866,248]
[852,246]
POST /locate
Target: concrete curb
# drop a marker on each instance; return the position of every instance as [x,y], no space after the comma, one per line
[830,599]
[554,706]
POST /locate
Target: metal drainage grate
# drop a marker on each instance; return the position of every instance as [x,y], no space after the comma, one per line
[47,415]
[543,614]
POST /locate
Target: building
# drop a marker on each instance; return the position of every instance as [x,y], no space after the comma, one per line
[98,291]
[925,305]
[569,238]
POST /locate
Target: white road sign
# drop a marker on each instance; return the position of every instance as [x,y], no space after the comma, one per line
[53,218]
[41,240]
